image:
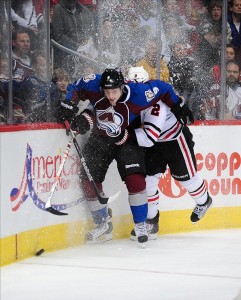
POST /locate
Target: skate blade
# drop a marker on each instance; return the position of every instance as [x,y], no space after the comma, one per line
[151,237]
[103,239]
[142,245]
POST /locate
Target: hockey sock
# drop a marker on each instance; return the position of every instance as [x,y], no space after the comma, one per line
[196,188]
[139,207]
[99,212]
[153,202]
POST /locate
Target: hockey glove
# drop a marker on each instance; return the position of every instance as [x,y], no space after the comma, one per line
[183,113]
[83,122]
[67,110]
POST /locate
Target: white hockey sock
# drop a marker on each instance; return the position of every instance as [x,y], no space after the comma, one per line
[196,188]
[153,202]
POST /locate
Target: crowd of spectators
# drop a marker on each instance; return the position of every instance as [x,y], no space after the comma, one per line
[182,41]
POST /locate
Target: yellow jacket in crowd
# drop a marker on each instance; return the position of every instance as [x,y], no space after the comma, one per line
[151,70]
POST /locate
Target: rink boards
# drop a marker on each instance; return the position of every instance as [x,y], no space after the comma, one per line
[30,159]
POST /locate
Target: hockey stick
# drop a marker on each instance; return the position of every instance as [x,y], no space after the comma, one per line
[102,200]
[48,206]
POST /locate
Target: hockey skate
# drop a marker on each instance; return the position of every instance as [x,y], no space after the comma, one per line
[152,226]
[141,232]
[101,233]
[200,210]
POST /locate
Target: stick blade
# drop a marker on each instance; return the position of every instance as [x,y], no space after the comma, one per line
[114,197]
[55,212]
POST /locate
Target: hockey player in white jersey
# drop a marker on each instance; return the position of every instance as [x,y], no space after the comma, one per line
[168,142]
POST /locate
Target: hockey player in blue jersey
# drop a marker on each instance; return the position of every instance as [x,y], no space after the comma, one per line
[167,143]
[114,106]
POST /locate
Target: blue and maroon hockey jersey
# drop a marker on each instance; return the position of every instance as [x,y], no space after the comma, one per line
[112,120]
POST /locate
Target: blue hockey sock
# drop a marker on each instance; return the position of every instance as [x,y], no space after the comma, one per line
[139,213]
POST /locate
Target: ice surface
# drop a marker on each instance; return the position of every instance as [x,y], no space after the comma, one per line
[198,265]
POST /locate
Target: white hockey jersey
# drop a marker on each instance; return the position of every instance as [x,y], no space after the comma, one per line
[159,124]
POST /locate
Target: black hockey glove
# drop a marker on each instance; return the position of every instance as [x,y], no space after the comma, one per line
[183,113]
[83,122]
[66,110]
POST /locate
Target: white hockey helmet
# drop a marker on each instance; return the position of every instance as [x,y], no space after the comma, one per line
[138,74]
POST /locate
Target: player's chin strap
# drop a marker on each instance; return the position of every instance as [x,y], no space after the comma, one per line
[102,200]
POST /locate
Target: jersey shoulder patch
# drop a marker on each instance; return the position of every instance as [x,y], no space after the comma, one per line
[89,77]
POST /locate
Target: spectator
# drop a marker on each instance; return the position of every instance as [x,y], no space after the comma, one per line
[91,4]
[181,70]
[193,11]
[59,90]
[149,62]
[3,89]
[233,97]
[211,28]
[234,26]
[233,101]
[61,80]
[230,52]
[175,27]
[3,30]
[21,68]
[132,38]
[18,115]
[24,15]
[230,55]
[147,12]
[21,54]
[110,48]
[73,27]
[39,6]
[112,8]
[34,91]
[187,78]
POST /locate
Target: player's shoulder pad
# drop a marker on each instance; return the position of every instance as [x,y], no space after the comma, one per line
[89,82]
[143,93]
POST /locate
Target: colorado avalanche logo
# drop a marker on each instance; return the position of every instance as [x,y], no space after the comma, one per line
[110,121]
[150,95]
